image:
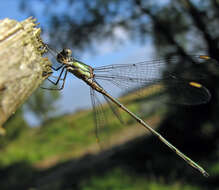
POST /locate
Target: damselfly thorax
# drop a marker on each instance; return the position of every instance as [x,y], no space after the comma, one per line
[79,69]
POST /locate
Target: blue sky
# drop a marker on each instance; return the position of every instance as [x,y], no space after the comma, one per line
[76,93]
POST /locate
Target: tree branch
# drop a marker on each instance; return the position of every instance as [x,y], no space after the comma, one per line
[161,27]
[198,20]
[21,64]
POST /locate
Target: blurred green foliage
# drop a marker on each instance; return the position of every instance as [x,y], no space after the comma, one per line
[63,145]
[41,104]
[119,179]
[67,134]
[180,28]
[14,127]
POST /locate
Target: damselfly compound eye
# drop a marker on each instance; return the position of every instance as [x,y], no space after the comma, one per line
[64,55]
[67,52]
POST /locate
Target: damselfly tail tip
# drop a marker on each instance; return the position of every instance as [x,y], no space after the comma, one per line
[206,174]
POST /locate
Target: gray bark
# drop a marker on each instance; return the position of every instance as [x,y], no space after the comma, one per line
[21,64]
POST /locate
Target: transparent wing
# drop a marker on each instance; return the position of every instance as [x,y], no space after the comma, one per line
[154,73]
[99,119]
[113,108]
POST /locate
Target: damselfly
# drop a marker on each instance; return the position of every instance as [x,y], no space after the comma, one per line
[127,75]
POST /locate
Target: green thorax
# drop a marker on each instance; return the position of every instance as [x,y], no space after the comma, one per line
[81,70]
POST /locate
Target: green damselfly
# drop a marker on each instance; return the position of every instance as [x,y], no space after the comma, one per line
[126,75]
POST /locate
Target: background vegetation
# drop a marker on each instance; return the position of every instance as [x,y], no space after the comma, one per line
[62,153]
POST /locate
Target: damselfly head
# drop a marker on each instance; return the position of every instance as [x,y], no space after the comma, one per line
[64,56]
[67,52]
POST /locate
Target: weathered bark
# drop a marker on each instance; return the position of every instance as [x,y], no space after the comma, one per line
[21,64]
